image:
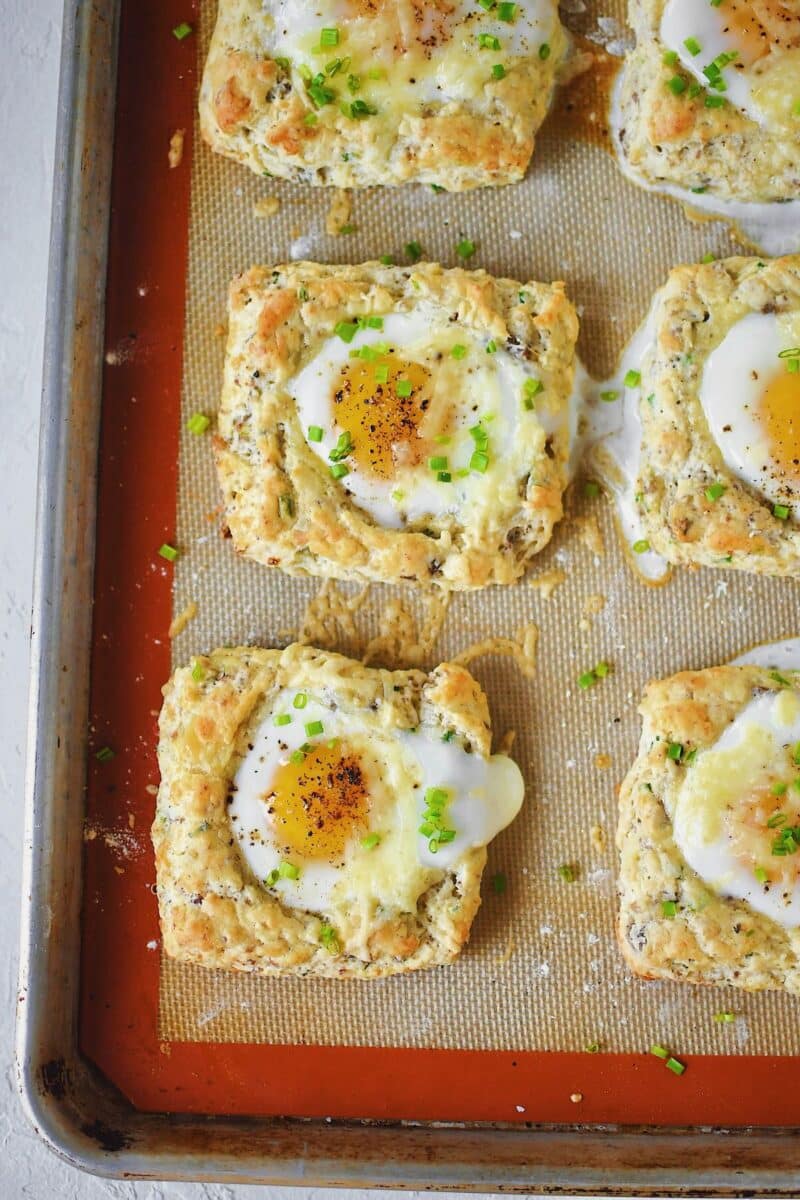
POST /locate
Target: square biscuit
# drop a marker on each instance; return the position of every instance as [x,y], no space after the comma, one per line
[219,906]
[695,508]
[357,93]
[673,924]
[453,389]
[668,133]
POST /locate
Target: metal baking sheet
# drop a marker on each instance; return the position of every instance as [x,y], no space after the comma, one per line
[83,1112]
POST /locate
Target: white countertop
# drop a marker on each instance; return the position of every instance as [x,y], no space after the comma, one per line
[29,54]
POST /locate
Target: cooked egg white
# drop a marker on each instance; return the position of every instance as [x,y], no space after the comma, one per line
[748,52]
[751,399]
[331,818]
[782,656]
[737,798]
[425,418]
[406,51]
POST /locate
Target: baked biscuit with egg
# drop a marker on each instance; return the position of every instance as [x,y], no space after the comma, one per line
[361,92]
[719,478]
[383,423]
[316,816]
[709,831]
[710,98]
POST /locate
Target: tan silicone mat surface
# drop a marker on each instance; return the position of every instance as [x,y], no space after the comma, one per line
[542,970]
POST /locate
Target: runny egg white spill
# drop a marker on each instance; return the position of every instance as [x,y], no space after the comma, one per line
[331,810]
[750,393]
[417,417]
[737,815]
[407,51]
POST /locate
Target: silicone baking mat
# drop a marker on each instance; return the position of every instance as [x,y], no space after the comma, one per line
[541,972]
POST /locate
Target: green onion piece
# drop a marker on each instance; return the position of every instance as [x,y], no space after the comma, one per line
[659,1051]
[522,297]
[779,789]
[285,507]
[297,757]
[315,433]
[404,387]
[414,251]
[310,118]
[198,423]
[425,829]
[669,58]
[487,4]
[677,85]
[776,820]
[760,874]
[371,841]
[780,511]
[708,258]
[693,46]
[387,260]
[358,110]
[498,71]
[796,754]
[382,373]
[544,51]
[675,751]
[444,477]
[499,883]
[592,1047]
[182,31]
[300,700]
[641,547]
[438,463]
[633,379]
[458,351]
[567,872]
[676,1067]
[491,346]
[314,727]
[715,491]
[288,870]
[530,389]
[105,754]
[793,365]
[507,12]
[433,845]
[669,908]
[344,445]
[282,719]
[198,671]
[591,488]
[487,41]
[168,552]
[792,352]
[447,835]
[329,37]
[346,330]
[436,795]
[272,878]
[609,396]
[587,680]
[436,187]
[724,1018]
[714,101]
[354,84]
[690,757]
[602,670]
[328,938]
[465,248]
[339,470]
[479,461]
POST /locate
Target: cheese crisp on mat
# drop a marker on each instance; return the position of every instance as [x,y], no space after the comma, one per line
[316,816]
[709,98]
[709,831]
[383,423]
[719,480]
[355,93]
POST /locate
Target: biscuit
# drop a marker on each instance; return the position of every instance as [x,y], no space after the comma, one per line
[443,93]
[261,869]
[384,423]
[673,924]
[700,501]
[669,134]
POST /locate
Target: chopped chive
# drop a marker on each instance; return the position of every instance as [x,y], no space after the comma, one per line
[724,1018]
[198,423]
[346,330]
[371,841]
[386,260]
[780,511]
[465,248]
[641,547]
[339,470]
[592,1047]
[587,679]
[676,1067]
[675,751]
[760,874]
[198,671]
[404,387]
[282,719]
[669,58]
[530,390]
[633,379]
[567,872]
[300,700]
[602,670]
[438,463]
[715,491]
[425,829]
[285,507]
[458,351]
[792,352]
[344,444]
[358,110]
[669,908]
[677,85]
[311,118]
[793,365]
[297,757]
[491,346]
[288,870]
[168,552]
[448,735]
[498,71]
[659,1051]
[272,878]
[499,883]
[693,46]
[507,12]
[414,251]
[315,433]
[329,37]
[182,31]
[382,373]
[708,258]
[591,488]
[105,754]
[544,51]
[609,396]
[314,727]
[328,938]
[479,461]
[714,101]
[487,41]
[779,789]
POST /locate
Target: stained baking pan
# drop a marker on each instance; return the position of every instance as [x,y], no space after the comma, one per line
[100,1082]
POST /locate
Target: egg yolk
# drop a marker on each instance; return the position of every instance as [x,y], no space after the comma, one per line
[779,417]
[318,805]
[761,834]
[742,23]
[382,406]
